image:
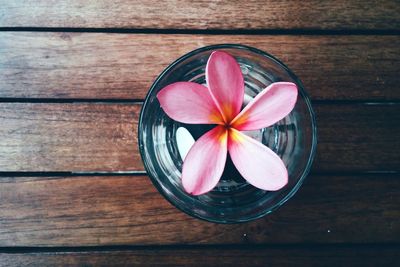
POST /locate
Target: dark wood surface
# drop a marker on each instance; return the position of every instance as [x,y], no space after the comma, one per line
[202,14]
[87,137]
[242,257]
[73,75]
[123,66]
[128,210]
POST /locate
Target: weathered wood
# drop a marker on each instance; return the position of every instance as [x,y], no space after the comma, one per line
[332,209]
[128,210]
[361,137]
[103,137]
[69,137]
[252,14]
[123,66]
[272,256]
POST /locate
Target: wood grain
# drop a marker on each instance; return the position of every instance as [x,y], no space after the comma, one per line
[81,137]
[271,256]
[185,14]
[69,137]
[359,137]
[346,213]
[123,66]
[128,210]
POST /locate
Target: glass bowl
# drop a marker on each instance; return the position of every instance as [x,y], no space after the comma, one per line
[162,140]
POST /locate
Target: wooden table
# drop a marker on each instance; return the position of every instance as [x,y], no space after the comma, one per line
[73,75]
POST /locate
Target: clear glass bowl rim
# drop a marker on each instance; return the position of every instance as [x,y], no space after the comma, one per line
[302,93]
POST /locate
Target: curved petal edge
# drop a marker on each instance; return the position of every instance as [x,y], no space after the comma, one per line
[205,162]
[268,107]
[189,102]
[258,164]
[226,83]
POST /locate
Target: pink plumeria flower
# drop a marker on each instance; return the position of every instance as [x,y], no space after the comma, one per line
[221,104]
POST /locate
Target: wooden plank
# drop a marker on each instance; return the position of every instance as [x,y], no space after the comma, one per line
[271,256]
[123,66]
[172,14]
[358,137]
[69,137]
[82,137]
[128,210]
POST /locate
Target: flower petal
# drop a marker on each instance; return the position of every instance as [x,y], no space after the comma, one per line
[225,81]
[258,164]
[271,105]
[189,102]
[205,162]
